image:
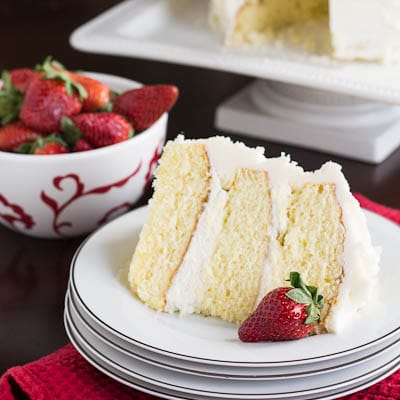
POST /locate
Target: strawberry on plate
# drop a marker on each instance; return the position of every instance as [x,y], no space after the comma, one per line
[52,144]
[285,313]
[99,129]
[145,105]
[16,133]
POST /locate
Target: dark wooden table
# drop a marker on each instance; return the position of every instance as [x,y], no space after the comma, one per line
[34,272]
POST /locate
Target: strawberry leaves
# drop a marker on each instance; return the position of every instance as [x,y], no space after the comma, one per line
[54,70]
[10,100]
[305,294]
[41,143]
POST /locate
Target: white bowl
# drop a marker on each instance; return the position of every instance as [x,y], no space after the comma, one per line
[56,196]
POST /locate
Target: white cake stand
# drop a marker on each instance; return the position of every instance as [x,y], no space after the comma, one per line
[305,111]
[318,119]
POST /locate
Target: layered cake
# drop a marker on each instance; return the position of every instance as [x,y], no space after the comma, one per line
[227,225]
[348,29]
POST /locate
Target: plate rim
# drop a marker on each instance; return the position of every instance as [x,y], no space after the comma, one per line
[151,391]
[70,305]
[215,395]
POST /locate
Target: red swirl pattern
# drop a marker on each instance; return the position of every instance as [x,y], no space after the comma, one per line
[80,192]
[15,215]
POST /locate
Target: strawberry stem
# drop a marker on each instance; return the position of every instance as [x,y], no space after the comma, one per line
[305,294]
[30,148]
[54,70]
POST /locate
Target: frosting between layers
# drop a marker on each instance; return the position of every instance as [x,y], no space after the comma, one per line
[187,287]
[360,259]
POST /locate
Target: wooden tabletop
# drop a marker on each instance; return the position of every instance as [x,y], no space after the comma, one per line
[34,272]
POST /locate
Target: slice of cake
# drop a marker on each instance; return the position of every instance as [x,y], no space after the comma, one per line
[347,29]
[227,225]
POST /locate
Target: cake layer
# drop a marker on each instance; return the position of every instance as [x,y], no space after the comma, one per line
[233,272]
[181,189]
[312,243]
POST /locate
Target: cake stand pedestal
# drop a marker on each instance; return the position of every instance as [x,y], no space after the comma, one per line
[335,123]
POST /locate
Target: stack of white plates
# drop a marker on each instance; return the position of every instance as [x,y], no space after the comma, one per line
[201,358]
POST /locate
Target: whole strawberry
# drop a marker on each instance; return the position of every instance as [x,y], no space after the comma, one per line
[46,102]
[14,134]
[145,105]
[99,129]
[52,144]
[285,313]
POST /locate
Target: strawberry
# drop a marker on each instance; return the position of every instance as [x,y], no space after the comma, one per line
[98,95]
[100,129]
[82,145]
[22,77]
[145,105]
[45,102]
[51,148]
[10,100]
[285,313]
[14,134]
[52,144]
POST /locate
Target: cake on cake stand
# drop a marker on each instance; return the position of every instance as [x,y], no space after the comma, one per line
[299,99]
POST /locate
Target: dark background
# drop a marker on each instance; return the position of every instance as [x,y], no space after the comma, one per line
[34,272]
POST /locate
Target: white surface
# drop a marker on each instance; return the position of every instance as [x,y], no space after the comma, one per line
[217,371]
[99,260]
[177,31]
[367,132]
[186,384]
[24,177]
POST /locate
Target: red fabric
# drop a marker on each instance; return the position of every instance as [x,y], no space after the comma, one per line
[65,375]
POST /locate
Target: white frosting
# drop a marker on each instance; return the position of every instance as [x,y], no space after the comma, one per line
[222,16]
[367,29]
[360,29]
[186,291]
[360,258]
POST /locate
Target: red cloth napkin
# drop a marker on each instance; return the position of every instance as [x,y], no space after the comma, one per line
[65,375]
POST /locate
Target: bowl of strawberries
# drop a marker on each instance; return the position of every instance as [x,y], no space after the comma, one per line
[76,149]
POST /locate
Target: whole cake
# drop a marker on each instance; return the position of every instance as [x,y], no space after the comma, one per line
[348,29]
[226,225]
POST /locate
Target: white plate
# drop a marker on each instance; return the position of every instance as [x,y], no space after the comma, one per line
[164,393]
[151,389]
[94,276]
[177,31]
[216,388]
[218,371]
